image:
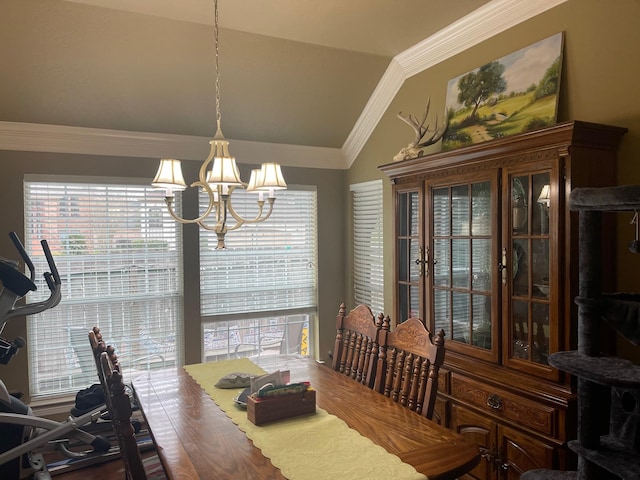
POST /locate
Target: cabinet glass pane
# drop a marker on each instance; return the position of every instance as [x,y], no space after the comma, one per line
[403,302]
[414,305]
[481,208]
[441,311]
[520,267]
[408,214]
[403,259]
[414,255]
[460,210]
[520,328]
[414,214]
[404,214]
[481,264]
[541,202]
[441,217]
[461,317]
[520,204]
[540,333]
[461,257]
[481,334]
[531,343]
[408,301]
[441,262]
[540,267]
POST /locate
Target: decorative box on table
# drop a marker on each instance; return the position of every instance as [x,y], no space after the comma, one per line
[269,409]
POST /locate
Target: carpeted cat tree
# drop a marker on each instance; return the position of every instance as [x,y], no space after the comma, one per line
[615,455]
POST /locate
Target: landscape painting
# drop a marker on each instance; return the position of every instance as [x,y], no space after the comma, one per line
[514,94]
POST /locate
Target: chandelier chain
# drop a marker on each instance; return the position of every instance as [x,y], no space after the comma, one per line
[217,42]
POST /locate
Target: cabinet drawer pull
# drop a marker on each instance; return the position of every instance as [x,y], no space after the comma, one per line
[494,401]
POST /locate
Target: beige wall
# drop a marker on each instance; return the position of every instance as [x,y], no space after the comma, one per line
[599,84]
[330,188]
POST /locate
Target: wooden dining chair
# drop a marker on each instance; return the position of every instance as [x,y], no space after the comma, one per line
[120,411]
[408,365]
[355,351]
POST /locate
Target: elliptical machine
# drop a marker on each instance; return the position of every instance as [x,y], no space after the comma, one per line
[21,433]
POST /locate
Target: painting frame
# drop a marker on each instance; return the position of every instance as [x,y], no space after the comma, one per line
[513,94]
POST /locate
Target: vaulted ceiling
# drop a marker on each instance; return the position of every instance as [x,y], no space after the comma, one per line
[303,73]
[379,27]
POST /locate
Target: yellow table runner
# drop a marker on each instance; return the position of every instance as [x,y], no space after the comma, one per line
[313,447]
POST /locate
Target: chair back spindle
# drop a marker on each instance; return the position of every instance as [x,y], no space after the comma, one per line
[409,364]
[356,348]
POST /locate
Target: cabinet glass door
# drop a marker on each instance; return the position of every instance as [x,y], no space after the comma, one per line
[460,260]
[409,256]
[530,271]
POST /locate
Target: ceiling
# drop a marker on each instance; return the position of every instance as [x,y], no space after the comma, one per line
[380,27]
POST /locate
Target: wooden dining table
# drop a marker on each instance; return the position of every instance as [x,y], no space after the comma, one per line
[195,439]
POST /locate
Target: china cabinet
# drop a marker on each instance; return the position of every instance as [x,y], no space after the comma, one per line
[483,249]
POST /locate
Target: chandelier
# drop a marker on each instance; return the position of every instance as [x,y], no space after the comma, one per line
[219,178]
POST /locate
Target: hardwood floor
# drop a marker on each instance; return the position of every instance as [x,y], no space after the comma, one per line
[105,467]
[113,469]
[106,470]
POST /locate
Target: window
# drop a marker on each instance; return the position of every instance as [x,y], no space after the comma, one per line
[368,271]
[120,261]
[263,287]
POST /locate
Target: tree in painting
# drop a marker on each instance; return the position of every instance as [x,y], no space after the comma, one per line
[477,87]
[549,83]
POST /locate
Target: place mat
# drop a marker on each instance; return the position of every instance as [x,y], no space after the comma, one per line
[311,447]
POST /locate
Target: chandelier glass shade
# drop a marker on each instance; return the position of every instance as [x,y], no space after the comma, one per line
[219,177]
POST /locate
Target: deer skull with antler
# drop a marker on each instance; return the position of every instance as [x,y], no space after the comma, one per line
[424,136]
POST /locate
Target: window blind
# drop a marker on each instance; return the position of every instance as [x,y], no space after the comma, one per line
[267,267]
[368,272]
[119,255]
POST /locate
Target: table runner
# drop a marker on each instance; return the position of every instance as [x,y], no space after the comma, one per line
[312,447]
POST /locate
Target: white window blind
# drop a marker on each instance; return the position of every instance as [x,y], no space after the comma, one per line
[266,268]
[119,255]
[368,272]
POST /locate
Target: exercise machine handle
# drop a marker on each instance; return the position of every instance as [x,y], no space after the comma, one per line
[23,253]
[52,279]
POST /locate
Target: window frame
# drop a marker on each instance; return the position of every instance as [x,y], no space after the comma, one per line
[140,279]
[283,246]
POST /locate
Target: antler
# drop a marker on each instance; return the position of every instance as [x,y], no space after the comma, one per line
[421,130]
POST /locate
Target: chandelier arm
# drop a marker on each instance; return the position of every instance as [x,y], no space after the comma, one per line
[211,228]
[202,174]
[221,215]
[257,219]
[212,204]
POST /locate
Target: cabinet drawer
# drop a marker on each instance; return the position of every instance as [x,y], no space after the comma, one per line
[511,407]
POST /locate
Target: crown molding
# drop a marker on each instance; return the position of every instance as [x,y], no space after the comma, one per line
[33,137]
[481,24]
